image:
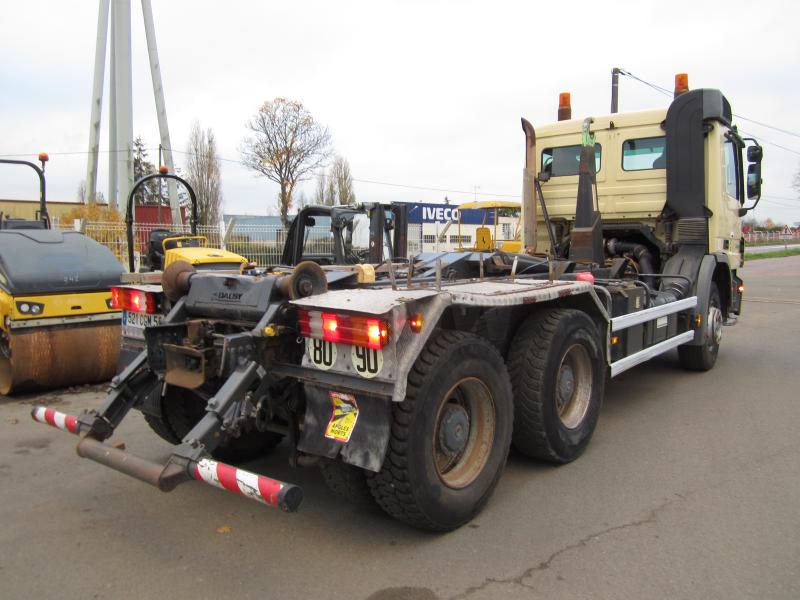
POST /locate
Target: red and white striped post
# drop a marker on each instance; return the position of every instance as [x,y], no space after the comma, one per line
[56,419]
[262,489]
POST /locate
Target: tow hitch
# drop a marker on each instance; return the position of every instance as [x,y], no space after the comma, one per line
[183,465]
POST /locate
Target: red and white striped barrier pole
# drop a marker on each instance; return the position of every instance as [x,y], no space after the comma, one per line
[262,489]
[256,487]
[56,419]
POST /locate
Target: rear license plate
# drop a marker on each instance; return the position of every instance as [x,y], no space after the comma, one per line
[133,324]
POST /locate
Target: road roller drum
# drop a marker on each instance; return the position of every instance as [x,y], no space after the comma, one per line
[57,324]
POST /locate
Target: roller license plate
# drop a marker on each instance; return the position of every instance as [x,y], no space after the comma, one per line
[133,324]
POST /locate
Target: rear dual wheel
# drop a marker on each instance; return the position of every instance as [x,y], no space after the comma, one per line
[557,371]
[450,436]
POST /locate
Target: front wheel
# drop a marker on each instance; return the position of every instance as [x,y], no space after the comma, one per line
[450,436]
[704,356]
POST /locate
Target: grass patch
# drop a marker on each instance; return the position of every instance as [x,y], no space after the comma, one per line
[776,254]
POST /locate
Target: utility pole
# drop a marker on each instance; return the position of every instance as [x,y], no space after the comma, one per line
[97,101]
[614,90]
[161,107]
[123,84]
[120,162]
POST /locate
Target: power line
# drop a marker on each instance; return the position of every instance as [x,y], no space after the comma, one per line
[768,126]
[391,184]
[666,92]
[783,198]
[776,203]
[23,154]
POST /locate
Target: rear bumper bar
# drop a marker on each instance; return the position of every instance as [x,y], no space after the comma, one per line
[177,469]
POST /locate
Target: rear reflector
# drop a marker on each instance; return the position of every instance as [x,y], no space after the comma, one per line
[344,329]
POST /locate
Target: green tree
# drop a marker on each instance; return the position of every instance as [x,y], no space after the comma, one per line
[150,192]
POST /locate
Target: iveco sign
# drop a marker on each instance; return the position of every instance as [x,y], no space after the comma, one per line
[432,214]
[442,213]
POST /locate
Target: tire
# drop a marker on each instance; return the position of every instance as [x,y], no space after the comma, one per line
[558,375]
[182,409]
[348,482]
[450,436]
[495,325]
[704,356]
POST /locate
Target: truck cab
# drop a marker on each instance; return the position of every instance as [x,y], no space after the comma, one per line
[669,181]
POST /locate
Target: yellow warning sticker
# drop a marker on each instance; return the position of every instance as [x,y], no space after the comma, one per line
[343,418]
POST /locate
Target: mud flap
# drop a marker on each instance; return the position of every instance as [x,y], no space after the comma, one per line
[363,438]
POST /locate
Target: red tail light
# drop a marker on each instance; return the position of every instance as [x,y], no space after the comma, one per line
[344,329]
[134,300]
[116,298]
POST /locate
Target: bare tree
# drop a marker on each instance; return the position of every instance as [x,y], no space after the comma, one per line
[203,174]
[340,176]
[81,192]
[286,145]
[321,191]
[302,201]
[330,191]
[796,182]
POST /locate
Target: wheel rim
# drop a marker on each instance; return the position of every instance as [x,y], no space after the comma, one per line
[574,386]
[715,326]
[464,432]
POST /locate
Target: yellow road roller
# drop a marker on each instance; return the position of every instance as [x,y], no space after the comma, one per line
[57,323]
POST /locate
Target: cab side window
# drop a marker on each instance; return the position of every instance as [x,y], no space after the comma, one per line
[565,160]
[644,153]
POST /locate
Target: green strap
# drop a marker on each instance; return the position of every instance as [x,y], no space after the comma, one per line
[587,137]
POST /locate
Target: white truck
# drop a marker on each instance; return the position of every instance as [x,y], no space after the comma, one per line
[409,391]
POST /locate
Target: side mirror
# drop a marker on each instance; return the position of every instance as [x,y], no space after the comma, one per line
[753,177]
[754,154]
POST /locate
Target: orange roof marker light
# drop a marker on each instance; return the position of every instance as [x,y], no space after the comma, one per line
[163,169]
[681,84]
[564,106]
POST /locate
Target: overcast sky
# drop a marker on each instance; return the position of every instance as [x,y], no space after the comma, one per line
[417,93]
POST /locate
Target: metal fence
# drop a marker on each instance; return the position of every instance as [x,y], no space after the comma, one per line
[262,244]
[414,239]
[771,236]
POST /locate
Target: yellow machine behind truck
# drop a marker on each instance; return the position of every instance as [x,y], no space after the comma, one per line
[55,303]
[489,239]
[409,392]
[140,296]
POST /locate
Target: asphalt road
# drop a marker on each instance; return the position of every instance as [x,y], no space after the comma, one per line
[689,489]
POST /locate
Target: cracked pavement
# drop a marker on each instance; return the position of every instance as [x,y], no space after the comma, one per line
[689,489]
